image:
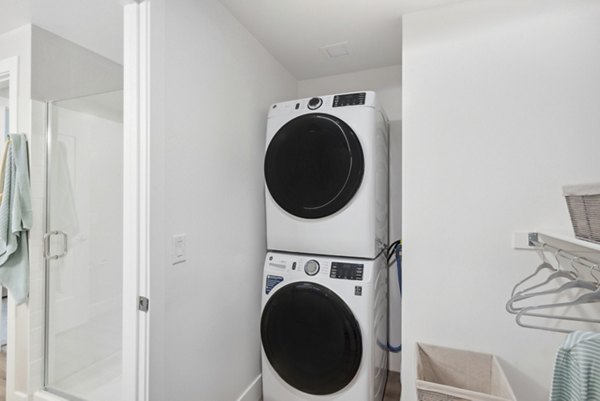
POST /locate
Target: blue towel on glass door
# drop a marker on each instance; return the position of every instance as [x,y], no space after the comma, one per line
[15,220]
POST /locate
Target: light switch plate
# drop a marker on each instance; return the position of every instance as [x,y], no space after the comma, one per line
[178,249]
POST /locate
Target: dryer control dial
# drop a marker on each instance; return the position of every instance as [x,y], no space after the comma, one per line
[315,103]
[312,267]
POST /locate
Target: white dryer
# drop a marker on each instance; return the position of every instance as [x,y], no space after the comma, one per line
[324,328]
[326,175]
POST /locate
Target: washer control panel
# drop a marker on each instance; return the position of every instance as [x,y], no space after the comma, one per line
[347,271]
[352,99]
[309,267]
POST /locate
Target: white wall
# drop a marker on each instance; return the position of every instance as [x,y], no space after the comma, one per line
[387,82]
[62,69]
[18,43]
[212,85]
[501,103]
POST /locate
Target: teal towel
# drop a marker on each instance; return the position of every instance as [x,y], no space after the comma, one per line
[577,368]
[15,220]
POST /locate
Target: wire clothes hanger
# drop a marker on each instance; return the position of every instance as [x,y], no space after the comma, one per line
[591,297]
[581,274]
[558,273]
[577,282]
[543,266]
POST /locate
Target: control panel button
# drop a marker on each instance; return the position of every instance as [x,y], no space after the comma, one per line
[315,103]
[312,267]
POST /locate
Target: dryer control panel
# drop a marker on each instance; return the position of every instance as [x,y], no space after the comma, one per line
[347,271]
[351,99]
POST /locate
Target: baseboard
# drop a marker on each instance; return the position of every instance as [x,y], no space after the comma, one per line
[45,396]
[253,392]
[19,396]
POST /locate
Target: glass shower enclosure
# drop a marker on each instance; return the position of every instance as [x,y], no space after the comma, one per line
[83,247]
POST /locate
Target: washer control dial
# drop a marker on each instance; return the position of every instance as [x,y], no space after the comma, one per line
[312,267]
[315,103]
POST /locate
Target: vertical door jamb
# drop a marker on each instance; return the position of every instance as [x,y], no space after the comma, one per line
[136,200]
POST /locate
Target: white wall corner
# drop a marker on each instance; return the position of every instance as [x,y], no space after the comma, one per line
[253,392]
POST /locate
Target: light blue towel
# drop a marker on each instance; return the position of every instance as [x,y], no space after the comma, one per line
[15,220]
[577,368]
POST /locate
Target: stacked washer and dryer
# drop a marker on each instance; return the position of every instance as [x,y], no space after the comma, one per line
[325,295]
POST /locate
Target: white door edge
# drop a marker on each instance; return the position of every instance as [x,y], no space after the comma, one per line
[136,200]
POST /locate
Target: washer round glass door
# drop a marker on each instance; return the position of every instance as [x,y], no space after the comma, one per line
[311,338]
[314,165]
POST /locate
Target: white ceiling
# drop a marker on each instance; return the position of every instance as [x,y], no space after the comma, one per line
[94,24]
[13,14]
[294,31]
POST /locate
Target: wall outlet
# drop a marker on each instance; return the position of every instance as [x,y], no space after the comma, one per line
[178,249]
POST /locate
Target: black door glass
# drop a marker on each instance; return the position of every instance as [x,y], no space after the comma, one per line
[314,165]
[311,338]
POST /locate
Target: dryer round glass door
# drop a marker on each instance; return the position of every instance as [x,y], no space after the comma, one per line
[311,338]
[314,165]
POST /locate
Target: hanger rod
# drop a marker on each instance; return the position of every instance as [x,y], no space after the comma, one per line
[534,241]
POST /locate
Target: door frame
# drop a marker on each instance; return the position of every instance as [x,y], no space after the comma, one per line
[136,197]
[135,207]
[9,71]
[135,323]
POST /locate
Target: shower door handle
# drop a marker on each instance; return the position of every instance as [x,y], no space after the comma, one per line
[48,237]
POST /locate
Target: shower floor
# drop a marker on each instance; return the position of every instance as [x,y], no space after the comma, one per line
[99,382]
[86,360]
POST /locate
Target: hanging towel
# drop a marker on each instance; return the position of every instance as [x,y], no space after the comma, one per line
[577,368]
[15,220]
[3,165]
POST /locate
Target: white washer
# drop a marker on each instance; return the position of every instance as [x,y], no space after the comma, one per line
[324,328]
[326,175]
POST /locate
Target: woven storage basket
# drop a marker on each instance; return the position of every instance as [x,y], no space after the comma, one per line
[583,202]
[446,374]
